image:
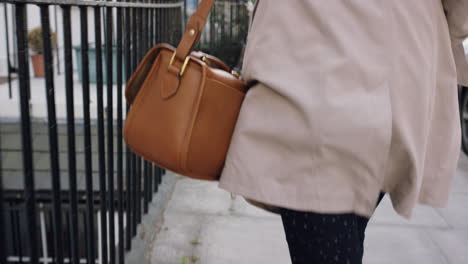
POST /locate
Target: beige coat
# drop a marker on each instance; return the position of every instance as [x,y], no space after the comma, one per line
[354,97]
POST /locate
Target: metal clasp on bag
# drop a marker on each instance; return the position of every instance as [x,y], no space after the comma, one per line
[206,60]
[209,62]
[236,74]
[184,66]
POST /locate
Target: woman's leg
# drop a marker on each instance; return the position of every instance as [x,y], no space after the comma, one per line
[324,238]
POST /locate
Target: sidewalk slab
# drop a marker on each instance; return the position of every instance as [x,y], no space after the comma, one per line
[454,244]
[175,239]
[234,240]
[460,183]
[199,197]
[422,216]
[456,212]
[400,245]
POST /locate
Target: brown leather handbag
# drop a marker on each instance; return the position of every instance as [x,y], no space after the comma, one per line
[184,106]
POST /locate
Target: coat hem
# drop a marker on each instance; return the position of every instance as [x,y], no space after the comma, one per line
[272,204]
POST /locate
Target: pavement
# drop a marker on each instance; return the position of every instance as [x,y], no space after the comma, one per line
[204,224]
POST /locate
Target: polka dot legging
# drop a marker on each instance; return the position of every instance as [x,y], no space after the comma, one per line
[324,238]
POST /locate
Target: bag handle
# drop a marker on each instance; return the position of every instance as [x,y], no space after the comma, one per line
[194,29]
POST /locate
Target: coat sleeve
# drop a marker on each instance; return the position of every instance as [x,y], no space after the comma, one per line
[457,19]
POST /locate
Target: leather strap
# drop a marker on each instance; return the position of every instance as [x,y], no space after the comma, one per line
[194,29]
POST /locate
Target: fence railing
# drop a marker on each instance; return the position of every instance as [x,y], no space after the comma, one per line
[70,191]
[16,234]
[95,216]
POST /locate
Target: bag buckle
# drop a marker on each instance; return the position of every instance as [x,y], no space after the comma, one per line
[184,66]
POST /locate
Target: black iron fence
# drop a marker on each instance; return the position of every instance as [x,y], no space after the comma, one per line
[226,31]
[16,232]
[94,221]
[70,191]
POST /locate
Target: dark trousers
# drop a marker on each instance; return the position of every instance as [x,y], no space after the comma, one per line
[324,238]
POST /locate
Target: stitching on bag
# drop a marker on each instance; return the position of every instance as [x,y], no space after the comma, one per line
[188,132]
[227,86]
